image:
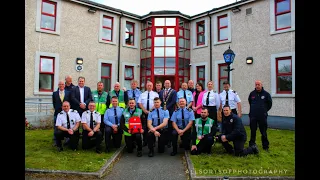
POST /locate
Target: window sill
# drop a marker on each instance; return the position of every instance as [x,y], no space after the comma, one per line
[200,46]
[133,47]
[42,93]
[283,95]
[222,42]
[107,42]
[48,32]
[281,31]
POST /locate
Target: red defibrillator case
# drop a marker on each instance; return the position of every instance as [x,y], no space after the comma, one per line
[135,125]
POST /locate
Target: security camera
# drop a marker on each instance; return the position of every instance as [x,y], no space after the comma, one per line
[190,64]
[138,65]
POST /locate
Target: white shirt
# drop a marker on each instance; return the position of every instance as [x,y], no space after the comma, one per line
[214,99]
[74,117]
[233,98]
[81,89]
[144,98]
[86,118]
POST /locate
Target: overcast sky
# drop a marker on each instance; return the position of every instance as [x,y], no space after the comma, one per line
[188,7]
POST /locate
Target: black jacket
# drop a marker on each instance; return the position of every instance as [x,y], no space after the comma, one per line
[260,103]
[233,128]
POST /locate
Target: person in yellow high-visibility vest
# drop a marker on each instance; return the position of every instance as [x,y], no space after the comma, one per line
[121,94]
[203,132]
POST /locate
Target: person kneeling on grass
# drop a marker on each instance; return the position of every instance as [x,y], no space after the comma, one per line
[233,130]
[203,132]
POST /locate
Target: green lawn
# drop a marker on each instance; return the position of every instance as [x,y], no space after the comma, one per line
[279,161]
[40,154]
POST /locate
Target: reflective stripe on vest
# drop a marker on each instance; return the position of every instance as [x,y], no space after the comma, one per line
[127,115]
[121,102]
[101,106]
[207,127]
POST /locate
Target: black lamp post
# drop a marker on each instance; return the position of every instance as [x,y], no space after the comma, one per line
[228,56]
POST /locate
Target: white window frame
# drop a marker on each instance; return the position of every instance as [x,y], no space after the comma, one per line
[194,33]
[273,21]
[36,72]
[114,28]
[273,74]
[135,72]
[215,28]
[58,18]
[216,73]
[113,70]
[137,32]
[193,73]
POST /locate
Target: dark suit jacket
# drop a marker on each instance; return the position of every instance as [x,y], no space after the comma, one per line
[171,100]
[56,101]
[75,98]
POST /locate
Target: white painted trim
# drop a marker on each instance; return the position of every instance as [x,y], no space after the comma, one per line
[272,19]
[273,74]
[36,72]
[135,72]
[58,18]
[114,73]
[194,32]
[216,74]
[115,28]
[193,73]
[215,28]
[136,33]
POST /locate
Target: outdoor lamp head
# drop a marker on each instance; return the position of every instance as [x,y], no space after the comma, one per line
[79,61]
[228,56]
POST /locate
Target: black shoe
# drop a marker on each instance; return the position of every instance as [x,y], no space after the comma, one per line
[139,153]
[255,149]
[151,153]
[60,149]
[266,149]
[107,150]
[173,153]
[98,151]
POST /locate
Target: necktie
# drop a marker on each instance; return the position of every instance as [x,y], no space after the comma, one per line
[158,117]
[148,101]
[227,101]
[166,93]
[184,95]
[68,121]
[133,95]
[207,102]
[115,116]
[91,121]
[61,96]
[183,123]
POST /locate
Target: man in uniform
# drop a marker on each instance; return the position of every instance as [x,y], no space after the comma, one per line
[157,121]
[134,92]
[186,94]
[131,111]
[203,133]
[233,130]
[191,86]
[91,121]
[112,120]
[121,94]
[99,96]
[182,120]
[68,122]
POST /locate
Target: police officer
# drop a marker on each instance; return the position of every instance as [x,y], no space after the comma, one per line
[121,94]
[131,111]
[233,130]
[91,121]
[157,121]
[186,94]
[203,133]
[182,120]
[134,92]
[99,96]
[112,120]
[260,103]
[211,101]
[68,122]
[231,98]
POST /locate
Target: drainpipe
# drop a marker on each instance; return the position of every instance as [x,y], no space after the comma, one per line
[210,44]
[119,45]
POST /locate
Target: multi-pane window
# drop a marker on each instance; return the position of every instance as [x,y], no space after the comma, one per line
[223,75]
[201,75]
[107,28]
[282,14]
[284,75]
[146,43]
[48,15]
[46,74]
[200,33]
[223,28]
[128,75]
[129,33]
[106,76]
[184,50]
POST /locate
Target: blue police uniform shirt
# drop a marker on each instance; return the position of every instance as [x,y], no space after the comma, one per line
[109,116]
[137,93]
[153,116]
[180,94]
[177,116]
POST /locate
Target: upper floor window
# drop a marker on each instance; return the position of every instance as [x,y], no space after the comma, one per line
[107,28]
[106,72]
[282,15]
[284,75]
[201,74]
[129,33]
[128,75]
[200,33]
[48,16]
[223,28]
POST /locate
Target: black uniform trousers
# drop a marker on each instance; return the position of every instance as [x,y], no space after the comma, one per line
[74,138]
[168,131]
[144,122]
[185,138]
[116,137]
[238,148]
[161,140]
[204,146]
[263,125]
[133,138]
[95,140]
[102,125]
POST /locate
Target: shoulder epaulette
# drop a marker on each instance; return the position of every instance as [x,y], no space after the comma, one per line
[96,112]
[121,107]
[189,109]
[234,92]
[73,110]
[152,110]
[176,110]
[61,112]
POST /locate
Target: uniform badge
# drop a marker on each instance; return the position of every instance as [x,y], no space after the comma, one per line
[262,97]
[231,120]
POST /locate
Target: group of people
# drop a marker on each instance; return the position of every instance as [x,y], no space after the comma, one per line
[199,116]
